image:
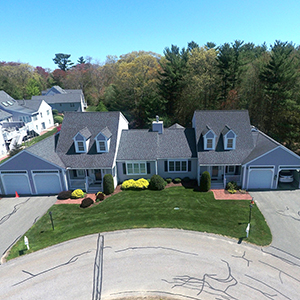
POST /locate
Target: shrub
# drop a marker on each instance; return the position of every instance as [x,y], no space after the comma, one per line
[157,183]
[168,180]
[86,202]
[100,196]
[128,184]
[58,119]
[231,185]
[141,183]
[205,182]
[186,179]
[64,195]
[108,184]
[232,191]
[177,180]
[77,194]
[138,184]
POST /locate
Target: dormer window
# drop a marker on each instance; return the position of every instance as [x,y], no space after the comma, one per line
[209,139]
[229,138]
[81,140]
[103,140]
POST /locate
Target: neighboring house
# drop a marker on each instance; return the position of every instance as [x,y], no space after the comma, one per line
[93,144]
[63,100]
[36,114]
[78,157]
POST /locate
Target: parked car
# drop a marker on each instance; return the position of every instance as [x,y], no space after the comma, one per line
[286,176]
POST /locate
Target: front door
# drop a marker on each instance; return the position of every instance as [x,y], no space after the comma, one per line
[215,172]
[98,175]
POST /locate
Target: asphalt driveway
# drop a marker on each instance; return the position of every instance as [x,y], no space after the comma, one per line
[282,212]
[17,215]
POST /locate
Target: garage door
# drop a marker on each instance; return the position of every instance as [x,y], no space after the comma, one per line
[47,182]
[260,178]
[15,182]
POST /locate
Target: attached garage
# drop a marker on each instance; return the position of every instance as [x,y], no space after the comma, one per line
[260,178]
[15,181]
[47,182]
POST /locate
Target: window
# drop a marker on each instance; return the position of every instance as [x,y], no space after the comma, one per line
[48,112]
[230,143]
[80,146]
[102,146]
[209,143]
[178,166]
[41,114]
[72,105]
[37,127]
[34,118]
[137,168]
[231,170]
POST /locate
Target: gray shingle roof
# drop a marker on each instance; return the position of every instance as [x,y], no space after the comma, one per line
[95,122]
[148,145]
[238,122]
[85,132]
[4,96]
[106,132]
[46,150]
[60,98]
[263,144]
[4,115]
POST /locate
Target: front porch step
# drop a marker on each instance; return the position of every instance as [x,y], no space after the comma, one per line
[93,190]
[217,185]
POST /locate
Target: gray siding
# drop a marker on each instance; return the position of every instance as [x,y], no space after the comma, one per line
[62,107]
[192,174]
[122,177]
[28,163]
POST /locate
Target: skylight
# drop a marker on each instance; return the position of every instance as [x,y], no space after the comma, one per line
[9,102]
[4,103]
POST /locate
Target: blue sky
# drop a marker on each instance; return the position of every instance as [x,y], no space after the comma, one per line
[33,31]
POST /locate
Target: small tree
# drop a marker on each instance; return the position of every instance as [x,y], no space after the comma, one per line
[108,184]
[16,149]
[205,182]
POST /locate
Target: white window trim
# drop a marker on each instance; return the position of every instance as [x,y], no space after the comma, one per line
[213,141]
[107,144]
[178,160]
[136,162]
[77,147]
[226,141]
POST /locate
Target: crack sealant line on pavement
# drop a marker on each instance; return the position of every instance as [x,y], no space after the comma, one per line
[98,269]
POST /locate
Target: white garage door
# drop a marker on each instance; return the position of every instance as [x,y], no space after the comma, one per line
[15,182]
[47,182]
[260,178]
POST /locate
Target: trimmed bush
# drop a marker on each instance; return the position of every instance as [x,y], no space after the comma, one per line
[64,195]
[58,119]
[132,184]
[77,194]
[108,184]
[168,180]
[232,185]
[186,179]
[86,202]
[205,182]
[157,183]
[177,180]
[100,196]
[141,183]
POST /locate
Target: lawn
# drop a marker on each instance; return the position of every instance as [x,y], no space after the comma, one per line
[175,207]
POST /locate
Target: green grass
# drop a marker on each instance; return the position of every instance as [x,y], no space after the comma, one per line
[39,138]
[145,209]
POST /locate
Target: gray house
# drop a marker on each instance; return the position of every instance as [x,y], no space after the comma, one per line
[63,99]
[93,144]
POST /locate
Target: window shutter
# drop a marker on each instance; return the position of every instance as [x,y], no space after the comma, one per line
[124,168]
[148,168]
[166,166]
[74,173]
[226,169]
[189,166]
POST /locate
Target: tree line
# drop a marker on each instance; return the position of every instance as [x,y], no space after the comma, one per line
[264,80]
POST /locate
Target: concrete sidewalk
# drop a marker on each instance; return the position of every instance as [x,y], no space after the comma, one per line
[166,263]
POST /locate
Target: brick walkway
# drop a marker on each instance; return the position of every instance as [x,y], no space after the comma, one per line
[224,195]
